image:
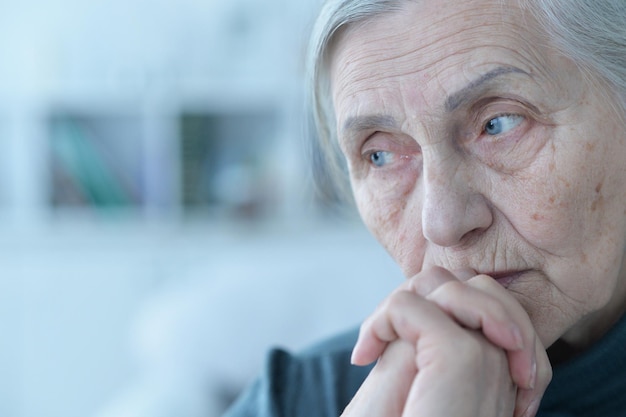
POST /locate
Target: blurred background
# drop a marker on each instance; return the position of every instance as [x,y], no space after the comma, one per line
[159,230]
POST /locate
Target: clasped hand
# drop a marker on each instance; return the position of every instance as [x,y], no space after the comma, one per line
[450,347]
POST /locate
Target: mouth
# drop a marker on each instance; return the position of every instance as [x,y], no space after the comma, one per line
[506,278]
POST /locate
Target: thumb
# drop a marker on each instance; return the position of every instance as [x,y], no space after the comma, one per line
[385,391]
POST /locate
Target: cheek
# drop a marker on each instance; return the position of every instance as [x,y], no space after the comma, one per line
[382,215]
[395,221]
[573,213]
[562,205]
[548,214]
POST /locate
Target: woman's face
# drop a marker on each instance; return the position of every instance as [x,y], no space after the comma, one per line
[471,144]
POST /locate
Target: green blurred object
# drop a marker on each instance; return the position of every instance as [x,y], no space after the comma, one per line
[89,177]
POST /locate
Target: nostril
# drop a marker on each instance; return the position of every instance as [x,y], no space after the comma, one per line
[472,235]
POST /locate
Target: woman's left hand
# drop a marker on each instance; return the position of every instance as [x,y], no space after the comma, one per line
[478,303]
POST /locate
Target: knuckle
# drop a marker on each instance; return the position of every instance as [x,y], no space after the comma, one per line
[437,270]
[497,308]
[398,305]
[429,280]
[450,290]
[398,299]
[366,325]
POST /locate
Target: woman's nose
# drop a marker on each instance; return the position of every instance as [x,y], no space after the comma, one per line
[452,210]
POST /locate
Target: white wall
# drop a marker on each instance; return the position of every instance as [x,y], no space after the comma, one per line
[131,323]
[150,315]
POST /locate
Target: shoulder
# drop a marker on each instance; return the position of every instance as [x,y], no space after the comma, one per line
[338,344]
[318,381]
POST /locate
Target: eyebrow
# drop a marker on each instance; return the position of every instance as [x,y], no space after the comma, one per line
[453,101]
[361,123]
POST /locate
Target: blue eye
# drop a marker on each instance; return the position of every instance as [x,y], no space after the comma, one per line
[381,158]
[502,124]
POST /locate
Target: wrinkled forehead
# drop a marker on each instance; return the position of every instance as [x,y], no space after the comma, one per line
[420,33]
[440,46]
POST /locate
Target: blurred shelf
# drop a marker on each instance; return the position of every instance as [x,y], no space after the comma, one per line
[95,161]
[185,113]
[224,158]
[146,159]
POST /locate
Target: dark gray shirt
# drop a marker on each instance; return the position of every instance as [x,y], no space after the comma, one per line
[320,382]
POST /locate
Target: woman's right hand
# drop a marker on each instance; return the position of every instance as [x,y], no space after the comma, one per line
[474,352]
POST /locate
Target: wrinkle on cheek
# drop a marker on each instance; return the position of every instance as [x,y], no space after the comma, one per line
[384,223]
[395,225]
[379,214]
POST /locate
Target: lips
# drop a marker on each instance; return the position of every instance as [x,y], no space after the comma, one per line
[506,278]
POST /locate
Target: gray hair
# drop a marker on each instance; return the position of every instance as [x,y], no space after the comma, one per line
[592,33]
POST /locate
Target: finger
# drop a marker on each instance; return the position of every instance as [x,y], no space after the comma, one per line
[527,401]
[478,309]
[464,274]
[404,315]
[384,392]
[467,377]
[430,279]
[523,362]
[368,348]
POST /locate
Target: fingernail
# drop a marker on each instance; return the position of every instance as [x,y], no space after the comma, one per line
[354,357]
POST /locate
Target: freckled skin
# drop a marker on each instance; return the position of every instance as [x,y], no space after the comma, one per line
[549,196]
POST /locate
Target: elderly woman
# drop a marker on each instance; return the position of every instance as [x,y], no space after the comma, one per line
[485,142]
